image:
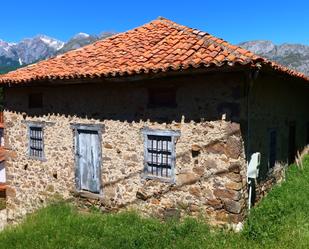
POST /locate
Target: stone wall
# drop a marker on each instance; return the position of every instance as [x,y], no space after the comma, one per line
[276,103]
[275,176]
[3,219]
[210,156]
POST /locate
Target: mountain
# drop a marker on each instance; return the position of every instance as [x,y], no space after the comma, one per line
[7,64]
[37,48]
[30,50]
[8,57]
[295,56]
[82,39]
[6,49]
[77,41]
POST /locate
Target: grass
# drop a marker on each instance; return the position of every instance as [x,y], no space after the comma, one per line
[281,220]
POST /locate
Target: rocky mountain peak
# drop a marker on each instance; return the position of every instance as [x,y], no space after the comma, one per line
[81,36]
[295,56]
[37,48]
[30,50]
[259,47]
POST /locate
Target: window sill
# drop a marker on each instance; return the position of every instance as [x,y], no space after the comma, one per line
[160,179]
[37,158]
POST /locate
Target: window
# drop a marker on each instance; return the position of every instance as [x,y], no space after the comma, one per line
[159,154]
[272,148]
[36,143]
[35,100]
[162,97]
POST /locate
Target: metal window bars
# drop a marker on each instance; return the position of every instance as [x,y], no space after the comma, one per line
[159,155]
[36,142]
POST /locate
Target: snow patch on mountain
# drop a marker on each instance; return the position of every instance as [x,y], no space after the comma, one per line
[81,36]
[56,44]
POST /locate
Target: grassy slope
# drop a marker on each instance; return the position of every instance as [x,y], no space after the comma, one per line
[280,221]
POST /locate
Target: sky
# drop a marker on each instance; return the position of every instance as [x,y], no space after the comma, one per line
[236,21]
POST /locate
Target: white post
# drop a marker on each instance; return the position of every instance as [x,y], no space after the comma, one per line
[250,194]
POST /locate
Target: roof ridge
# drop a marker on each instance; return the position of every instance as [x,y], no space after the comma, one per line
[162,18]
[208,40]
[106,39]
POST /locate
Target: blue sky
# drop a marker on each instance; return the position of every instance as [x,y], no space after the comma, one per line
[235,21]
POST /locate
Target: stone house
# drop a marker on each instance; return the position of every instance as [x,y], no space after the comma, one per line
[162,118]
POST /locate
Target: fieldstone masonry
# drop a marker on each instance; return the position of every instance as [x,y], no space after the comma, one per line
[210,171]
[3,219]
[210,158]
[275,176]
[210,168]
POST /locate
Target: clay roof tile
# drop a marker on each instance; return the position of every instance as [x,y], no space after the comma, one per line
[160,45]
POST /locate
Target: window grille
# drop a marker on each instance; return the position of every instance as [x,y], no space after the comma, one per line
[36,145]
[159,154]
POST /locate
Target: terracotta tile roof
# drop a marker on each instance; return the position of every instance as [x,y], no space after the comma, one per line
[158,46]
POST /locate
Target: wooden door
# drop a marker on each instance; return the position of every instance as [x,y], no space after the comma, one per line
[89,160]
